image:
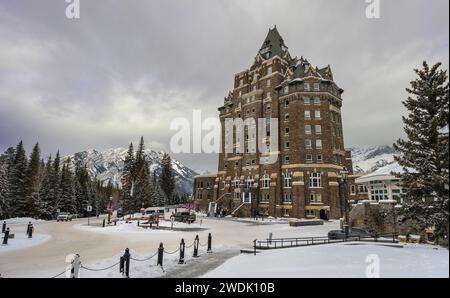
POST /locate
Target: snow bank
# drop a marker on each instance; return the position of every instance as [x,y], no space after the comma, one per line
[21,220]
[338,261]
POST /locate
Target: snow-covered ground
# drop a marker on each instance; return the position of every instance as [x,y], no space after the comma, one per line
[339,261]
[100,248]
[21,220]
[21,241]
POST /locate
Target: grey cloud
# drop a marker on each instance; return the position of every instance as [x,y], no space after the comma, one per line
[127,67]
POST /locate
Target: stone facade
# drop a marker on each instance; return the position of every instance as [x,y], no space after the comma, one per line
[306,103]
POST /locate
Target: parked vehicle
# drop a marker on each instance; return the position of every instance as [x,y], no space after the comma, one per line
[354,232]
[155,210]
[169,211]
[185,216]
[64,216]
[119,212]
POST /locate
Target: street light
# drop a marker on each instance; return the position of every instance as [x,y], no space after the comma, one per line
[344,204]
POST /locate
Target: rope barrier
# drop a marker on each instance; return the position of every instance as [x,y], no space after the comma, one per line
[143,260]
[59,274]
[203,245]
[95,269]
[189,246]
[173,252]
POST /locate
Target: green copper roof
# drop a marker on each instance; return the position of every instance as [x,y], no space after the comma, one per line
[273,45]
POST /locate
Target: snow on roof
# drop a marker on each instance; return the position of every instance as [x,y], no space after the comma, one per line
[384,173]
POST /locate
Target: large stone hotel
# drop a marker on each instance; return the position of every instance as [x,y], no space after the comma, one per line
[304,180]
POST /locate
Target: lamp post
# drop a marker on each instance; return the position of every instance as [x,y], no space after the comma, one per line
[344,202]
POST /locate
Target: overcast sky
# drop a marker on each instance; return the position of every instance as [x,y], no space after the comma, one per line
[126,68]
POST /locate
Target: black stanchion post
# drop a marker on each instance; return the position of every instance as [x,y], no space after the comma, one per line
[28,228]
[138,224]
[103,225]
[126,257]
[196,242]
[3,227]
[121,266]
[30,232]
[254,247]
[182,248]
[209,243]
[6,236]
[160,255]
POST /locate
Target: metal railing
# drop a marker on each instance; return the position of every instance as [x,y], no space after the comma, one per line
[308,241]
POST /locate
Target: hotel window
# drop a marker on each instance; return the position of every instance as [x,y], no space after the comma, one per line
[255,77]
[310,213]
[353,190]
[285,212]
[362,189]
[241,82]
[287,180]
[318,144]
[317,114]
[254,88]
[287,197]
[319,158]
[306,86]
[269,70]
[253,110]
[286,145]
[316,86]
[268,95]
[307,129]
[286,103]
[223,184]
[308,144]
[240,93]
[286,117]
[286,90]
[265,198]
[307,114]
[318,129]
[317,100]
[306,100]
[316,198]
[286,159]
[265,181]
[268,107]
[249,182]
[286,130]
[236,182]
[268,83]
[315,180]
[309,157]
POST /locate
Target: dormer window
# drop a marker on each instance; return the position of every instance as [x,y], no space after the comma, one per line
[269,70]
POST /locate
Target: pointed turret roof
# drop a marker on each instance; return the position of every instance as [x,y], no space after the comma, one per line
[273,45]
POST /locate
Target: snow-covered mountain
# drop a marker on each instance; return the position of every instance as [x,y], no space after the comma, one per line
[369,159]
[107,166]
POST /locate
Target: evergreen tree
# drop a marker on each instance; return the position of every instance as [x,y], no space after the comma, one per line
[158,198]
[166,179]
[46,192]
[32,183]
[424,154]
[17,195]
[67,193]
[6,164]
[81,184]
[143,192]
[128,173]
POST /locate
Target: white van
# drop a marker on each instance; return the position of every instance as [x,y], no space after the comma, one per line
[153,210]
